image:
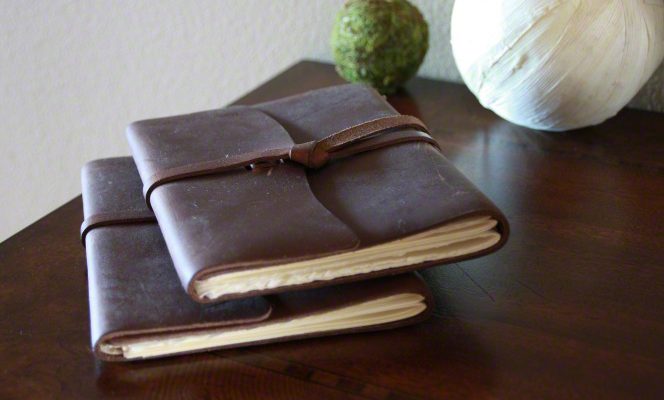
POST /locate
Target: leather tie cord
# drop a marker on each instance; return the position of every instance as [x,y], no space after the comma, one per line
[115,218]
[312,154]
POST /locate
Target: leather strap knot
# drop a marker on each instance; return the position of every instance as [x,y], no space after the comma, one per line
[309,154]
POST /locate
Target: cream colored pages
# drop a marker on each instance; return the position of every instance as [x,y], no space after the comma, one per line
[462,237]
[374,312]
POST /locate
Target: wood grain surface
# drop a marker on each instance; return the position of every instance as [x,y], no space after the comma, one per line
[571,307]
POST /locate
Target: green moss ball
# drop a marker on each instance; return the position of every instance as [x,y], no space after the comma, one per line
[379,42]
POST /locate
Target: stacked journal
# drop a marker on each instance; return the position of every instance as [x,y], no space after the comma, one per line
[305,216]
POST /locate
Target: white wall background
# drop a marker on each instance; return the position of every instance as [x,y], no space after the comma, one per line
[73,74]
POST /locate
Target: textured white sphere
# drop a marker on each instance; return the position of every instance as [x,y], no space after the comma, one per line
[557,64]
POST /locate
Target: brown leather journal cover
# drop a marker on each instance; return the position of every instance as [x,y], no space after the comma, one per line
[135,294]
[229,220]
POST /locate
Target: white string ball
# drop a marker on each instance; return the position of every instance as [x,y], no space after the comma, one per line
[557,64]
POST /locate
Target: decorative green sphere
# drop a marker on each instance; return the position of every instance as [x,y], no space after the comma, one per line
[379,42]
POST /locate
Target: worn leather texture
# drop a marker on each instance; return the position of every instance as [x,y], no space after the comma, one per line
[286,212]
[134,289]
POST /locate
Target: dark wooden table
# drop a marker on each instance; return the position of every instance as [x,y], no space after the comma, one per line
[571,307]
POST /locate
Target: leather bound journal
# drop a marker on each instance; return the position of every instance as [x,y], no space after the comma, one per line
[316,189]
[139,310]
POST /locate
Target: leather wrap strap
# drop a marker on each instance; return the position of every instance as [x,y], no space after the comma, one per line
[363,137]
[115,218]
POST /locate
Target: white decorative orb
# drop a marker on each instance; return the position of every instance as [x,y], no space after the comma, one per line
[557,64]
